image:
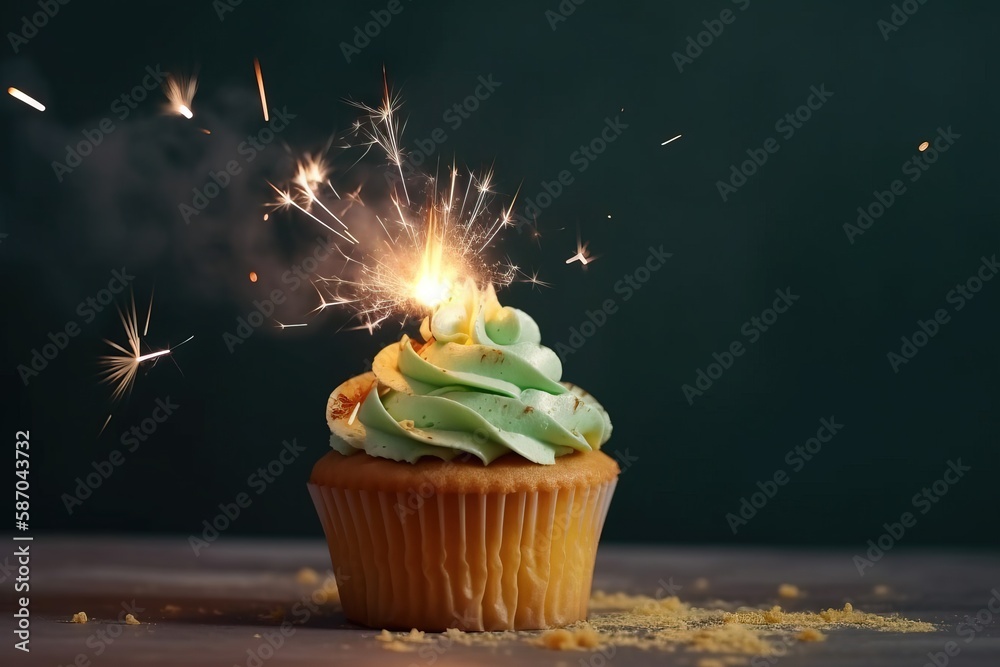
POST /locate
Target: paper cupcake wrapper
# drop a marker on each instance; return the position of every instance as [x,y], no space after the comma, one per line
[495,561]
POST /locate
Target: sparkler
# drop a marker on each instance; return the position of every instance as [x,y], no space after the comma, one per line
[180,94]
[422,251]
[24,97]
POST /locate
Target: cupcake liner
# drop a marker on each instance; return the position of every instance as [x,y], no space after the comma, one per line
[474,561]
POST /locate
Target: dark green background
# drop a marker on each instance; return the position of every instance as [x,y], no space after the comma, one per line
[783,229]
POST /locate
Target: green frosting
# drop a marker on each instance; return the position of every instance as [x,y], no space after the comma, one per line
[481,383]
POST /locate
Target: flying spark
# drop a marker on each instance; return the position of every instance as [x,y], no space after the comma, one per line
[582,255]
[253,276]
[180,92]
[260,86]
[119,370]
[924,146]
[27,99]
[669,140]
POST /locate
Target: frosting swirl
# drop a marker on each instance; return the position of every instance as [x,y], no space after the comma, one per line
[480,383]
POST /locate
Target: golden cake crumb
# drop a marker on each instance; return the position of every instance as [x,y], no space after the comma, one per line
[562,639]
[811,635]
[845,616]
[711,662]
[397,646]
[385,636]
[731,639]
[789,591]
[79,617]
[131,620]
[307,576]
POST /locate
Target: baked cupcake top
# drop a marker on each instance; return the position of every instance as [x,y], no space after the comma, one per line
[480,382]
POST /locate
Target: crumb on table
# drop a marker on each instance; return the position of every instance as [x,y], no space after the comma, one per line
[561,639]
[307,576]
[789,591]
[131,620]
[811,635]
[79,617]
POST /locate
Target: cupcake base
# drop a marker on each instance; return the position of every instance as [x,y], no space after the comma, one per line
[437,545]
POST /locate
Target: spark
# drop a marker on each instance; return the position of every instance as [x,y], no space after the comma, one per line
[285,200]
[582,254]
[119,370]
[260,86]
[533,280]
[253,276]
[381,128]
[27,99]
[924,146]
[669,140]
[106,422]
[180,92]
[290,326]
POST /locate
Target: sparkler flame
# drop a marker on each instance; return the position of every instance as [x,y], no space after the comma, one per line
[423,251]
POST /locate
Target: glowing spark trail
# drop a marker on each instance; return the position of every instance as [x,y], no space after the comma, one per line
[260,86]
[669,140]
[120,370]
[180,94]
[582,255]
[27,99]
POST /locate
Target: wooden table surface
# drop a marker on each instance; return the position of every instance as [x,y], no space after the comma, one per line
[236,589]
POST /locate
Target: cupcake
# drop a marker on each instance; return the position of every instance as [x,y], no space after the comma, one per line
[465,487]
